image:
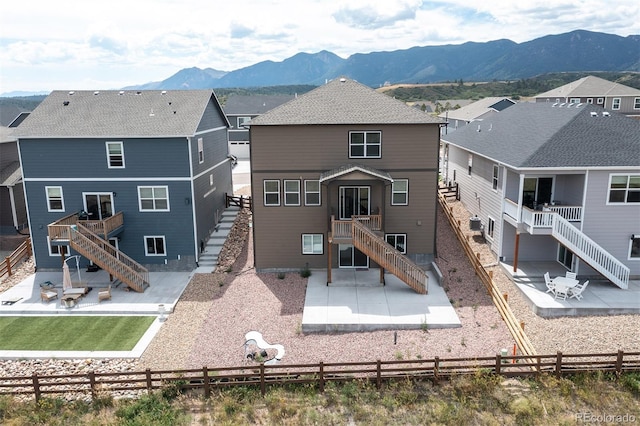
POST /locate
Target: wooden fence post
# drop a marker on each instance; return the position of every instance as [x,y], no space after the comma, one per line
[92,384]
[149,381]
[36,386]
[498,363]
[619,361]
[321,376]
[263,389]
[436,365]
[558,364]
[205,378]
[8,261]
[378,374]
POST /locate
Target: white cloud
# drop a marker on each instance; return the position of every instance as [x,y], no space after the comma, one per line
[85,45]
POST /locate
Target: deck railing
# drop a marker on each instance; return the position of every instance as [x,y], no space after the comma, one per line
[19,254]
[106,226]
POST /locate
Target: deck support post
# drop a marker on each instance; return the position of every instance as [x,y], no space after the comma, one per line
[515,254]
[329,262]
[381,275]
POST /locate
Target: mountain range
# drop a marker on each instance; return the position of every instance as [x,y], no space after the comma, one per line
[578,50]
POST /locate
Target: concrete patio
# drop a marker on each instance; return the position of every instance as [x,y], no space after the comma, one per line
[356,301]
[601,297]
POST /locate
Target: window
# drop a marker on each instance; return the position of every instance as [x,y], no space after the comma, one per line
[399,241]
[115,155]
[636,103]
[154,245]
[55,202]
[291,192]
[312,244]
[470,164]
[242,120]
[624,189]
[400,192]
[574,100]
[200,151]
[590,100]
[153,198]
[600,101]
[56,250]
[496,171]
[271,192]
[312,193]
[615,103]
[365,144]
[491,227]
[634,249]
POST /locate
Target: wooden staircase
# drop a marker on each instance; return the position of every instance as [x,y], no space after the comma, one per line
[384,254]
[88,244]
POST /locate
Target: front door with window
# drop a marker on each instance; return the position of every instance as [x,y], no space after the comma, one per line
[98,206]
[565,256]
[537,191]
[354,200]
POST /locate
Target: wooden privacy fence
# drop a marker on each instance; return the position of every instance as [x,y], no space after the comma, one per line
[241,201]
[93,384]
[18,255]
[515,327]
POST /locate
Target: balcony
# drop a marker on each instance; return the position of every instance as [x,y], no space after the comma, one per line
[539,222]
[59,230]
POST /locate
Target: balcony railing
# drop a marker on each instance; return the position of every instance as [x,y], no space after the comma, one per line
[542,219]
[58,230]
[342,229]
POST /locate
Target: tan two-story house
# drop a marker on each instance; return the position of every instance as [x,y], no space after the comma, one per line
[344,177]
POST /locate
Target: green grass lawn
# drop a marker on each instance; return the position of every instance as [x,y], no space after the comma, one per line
[72,333]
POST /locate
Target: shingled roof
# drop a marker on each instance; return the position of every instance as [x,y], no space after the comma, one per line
[253,104]
[343,101]
[537,135]
[113,113]
[589,86]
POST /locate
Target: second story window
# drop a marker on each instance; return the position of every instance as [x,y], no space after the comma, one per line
[636,103]
[400,192]
[55,201]
[153,198]
[271,192]
[615,103]
[365,144]
[494,182]
[311,192]
[241,121]
[115,155]
[624,189]
[200,151]
[291,192]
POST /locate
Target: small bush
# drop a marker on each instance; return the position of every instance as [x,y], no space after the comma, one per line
[281,275]
[305,272]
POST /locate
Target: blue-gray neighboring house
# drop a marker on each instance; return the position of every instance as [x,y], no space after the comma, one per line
[553,182]
[131,180]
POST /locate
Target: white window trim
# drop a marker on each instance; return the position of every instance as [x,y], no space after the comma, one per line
[629,257]
[109,154]
[574,101]
[319,192]
[590,100]
[600,101]
[495,177]
[140,209]
[265,192]
[406,192]
[490,229]
[616,103]
[313,243]
[636,103]
[286,192]
[395,245]
[164,245]
[241,120]
[365,133]
[620,203]
[52,254]
[46,191]
[200,151]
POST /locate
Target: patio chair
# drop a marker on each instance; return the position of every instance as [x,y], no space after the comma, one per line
[47,294]
[104,294]
[577,290]
[571,275]
[551,287]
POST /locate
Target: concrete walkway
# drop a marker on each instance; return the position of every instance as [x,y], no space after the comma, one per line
[356,301]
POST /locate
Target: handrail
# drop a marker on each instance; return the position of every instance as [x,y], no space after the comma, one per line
[591,252]
[371,221]
[105,226]
[22,252]
[388,257]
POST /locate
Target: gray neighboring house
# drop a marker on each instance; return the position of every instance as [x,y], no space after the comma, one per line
[240,109]
[598,91]
[554,183]
[131,180]
[475,111]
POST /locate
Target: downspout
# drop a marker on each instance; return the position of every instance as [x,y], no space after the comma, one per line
[14,214]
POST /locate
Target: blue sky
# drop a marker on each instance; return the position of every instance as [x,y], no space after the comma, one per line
[83,44]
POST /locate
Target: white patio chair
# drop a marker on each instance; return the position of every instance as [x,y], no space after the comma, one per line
[551,287]
[561,292]
[571,275]
[577,290]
